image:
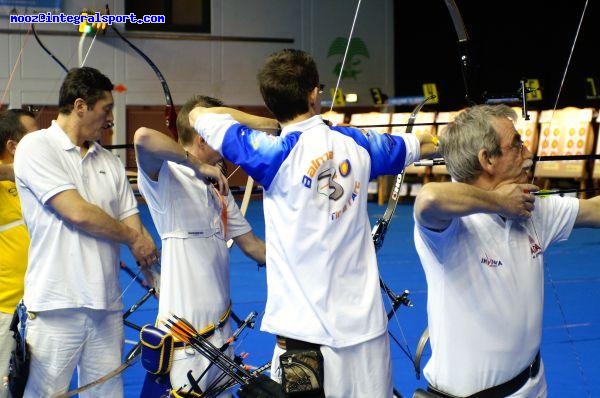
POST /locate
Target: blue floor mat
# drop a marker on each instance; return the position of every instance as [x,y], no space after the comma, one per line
[571,331]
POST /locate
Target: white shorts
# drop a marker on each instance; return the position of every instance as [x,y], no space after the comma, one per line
[361,370]
[61,339]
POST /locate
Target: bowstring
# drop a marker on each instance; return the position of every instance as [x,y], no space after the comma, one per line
[337,84]
[406,349]
[89,49]
[564,76]
[546,266]
[14,68]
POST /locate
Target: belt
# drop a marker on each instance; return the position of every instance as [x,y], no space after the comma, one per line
[285,343]
[210,329]
[505,389]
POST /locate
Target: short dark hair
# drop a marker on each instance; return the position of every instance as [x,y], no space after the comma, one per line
[11,127]
[86,83]
[184,130]
[285,80]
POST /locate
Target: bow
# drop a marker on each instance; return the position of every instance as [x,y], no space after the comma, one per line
[378,234]
[46,50]
[473,92]
[131,358]
[379,230]
[170,114]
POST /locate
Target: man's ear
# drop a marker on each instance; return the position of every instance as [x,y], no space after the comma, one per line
[313,97]
[199,141]
[80,106]
[11,147]
[485,160]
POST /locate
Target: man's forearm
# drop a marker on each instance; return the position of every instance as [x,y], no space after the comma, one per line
[252,246]
[98,223]
[152,148]
[453,199]
[438,203]
[90,218]
[254,122]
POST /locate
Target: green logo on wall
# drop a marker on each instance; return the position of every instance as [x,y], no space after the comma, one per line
[356,49]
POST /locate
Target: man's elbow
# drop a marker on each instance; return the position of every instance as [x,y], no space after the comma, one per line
[427,201]
[79,218]
[142,137]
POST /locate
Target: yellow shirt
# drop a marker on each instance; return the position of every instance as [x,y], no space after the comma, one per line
[14,243]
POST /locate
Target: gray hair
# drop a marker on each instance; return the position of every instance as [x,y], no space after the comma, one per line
[467,134]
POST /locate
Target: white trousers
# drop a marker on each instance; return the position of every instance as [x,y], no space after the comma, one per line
[7,344]
[535,387]
[60,340]
[361,370]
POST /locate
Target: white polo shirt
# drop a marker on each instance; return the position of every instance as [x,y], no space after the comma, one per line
[187,213]
[322,276]
[485,293]
[67,267]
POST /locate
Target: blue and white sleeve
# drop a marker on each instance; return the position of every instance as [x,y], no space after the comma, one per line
[258,153]
[389,153]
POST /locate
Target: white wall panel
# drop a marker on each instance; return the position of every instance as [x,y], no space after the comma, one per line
[226,69]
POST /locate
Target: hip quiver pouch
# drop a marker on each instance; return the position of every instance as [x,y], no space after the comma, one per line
[157,350]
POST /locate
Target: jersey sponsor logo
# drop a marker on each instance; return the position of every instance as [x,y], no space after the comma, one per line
[314,166]
[345,168]
[324,188]
[338,213]
[333,182]
[534,247]
[490,262]
[396,190]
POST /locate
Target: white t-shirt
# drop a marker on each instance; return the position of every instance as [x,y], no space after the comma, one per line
[322,276]
[187,213]
[69,268]
[485,293]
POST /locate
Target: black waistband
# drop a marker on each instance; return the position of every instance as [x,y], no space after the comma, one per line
[292,344]
[505,389]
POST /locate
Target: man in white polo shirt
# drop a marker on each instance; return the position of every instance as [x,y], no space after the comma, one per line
[78,207]
[194,220]
[481,240]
